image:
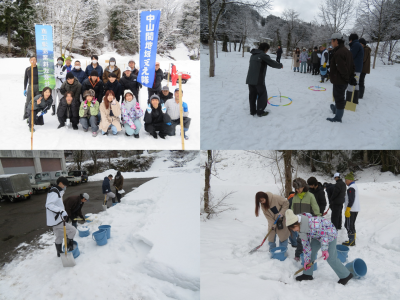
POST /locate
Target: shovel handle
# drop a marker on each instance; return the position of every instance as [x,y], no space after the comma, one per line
[65,238]
[309,265]
[105,198]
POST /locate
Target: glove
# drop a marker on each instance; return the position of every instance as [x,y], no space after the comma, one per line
[163,108]
[324,65]
[347,213]
[133,126]
[185,107]
[40,113]
[169,123]
[25,93]
[305,265]
[148,109]
[353,81]
[325,254]
[137,105]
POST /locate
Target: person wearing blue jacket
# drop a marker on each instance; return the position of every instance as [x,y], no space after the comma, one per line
[94,66]
[358,57]
[78,72]
[107,189]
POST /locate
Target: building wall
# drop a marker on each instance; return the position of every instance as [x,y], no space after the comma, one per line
[18,165]
[50,164]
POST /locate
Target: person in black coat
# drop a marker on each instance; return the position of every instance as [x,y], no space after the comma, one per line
[358,57]
[68,109]
[158,78]
[93,82]
[113,85]
[156,118]
[317,190]
[336,201]
[279,54]
[164,95]
[27,84]
[129,81]
[78,72]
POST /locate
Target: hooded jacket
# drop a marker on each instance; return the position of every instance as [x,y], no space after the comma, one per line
[115,87]
[130,83]
[367,60]
[98,88]
[118,182]
[75,87]
[338,193]
[358,55]
[319,195]
[130,115]
[307,204]
[54,206]
[68,111]
[259,61]
[106,185]
[108,118]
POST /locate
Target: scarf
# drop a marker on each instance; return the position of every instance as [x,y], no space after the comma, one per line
[129,105]
[301,195]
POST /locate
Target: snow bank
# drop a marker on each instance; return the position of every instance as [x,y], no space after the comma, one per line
[229,272]
[153,252]
[227,123]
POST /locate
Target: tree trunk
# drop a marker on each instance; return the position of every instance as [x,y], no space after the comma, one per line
[9,38]
[207,185]
[376,51]
[234,46]
[211,41]
[225,43]
[244,42]
[216,48]
[365,157]
[313,169]
[287,158]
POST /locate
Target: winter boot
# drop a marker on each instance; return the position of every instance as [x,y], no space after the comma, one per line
[355,98]
[113,200]
[338,117]
[304,277]
[75,127]
[351,241]
[333,108]
[136,136]
[154,135]
[53,108]
[345,280]
[59,249]
[262,113]
[70,243]
[348,97]
[322,80]
[361,93]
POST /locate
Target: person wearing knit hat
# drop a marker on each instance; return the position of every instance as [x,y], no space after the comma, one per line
[131,114]
[366,66]
[73,206]
[156,118]
[274,207]
[95,83]
[71,84]
[336,201]
[114,85]
[89,111]
[131,65]
[303,202]
[352,204]
[111,69]
[317,233]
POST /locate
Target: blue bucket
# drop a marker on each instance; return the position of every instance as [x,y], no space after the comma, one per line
[279,253]
[83,233]
[315,265]
[106,228]
[87,216]
[114,204]
[100,237]
[322,71]
[342,252]
[75,252]
[357,267]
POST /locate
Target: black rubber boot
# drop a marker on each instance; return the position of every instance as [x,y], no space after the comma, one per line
[355,98]
[154,135]
[53,108]
[59,249]
[345,280]
[113,200]
[261,113]
[136,136]
[70,243]
[351,241]
[361,93]
[333,108]
[304,277]
[348,96]
[338,117]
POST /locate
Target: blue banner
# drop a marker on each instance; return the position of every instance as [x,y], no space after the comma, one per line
[45,56]
[149,23]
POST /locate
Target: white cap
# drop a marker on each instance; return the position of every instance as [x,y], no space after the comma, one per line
[336,175]
[86,196]
[128,69]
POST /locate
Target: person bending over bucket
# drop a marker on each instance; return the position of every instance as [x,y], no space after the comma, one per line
[107,189]
[316,233]
[256,79]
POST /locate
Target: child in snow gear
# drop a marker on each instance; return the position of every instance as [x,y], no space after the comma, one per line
[107,189]
[279,54]
[366,67]
[156,118]
[131,114]
[317,190]
[27,84]
[110,110]
[317,233]
[71,84]
[303,60]
[358,57]
[174,113]
[336,201]
[315,61]
[42,104]
[89,112]
[273,207]
[118,184]
[73,206]
[111,68]
[68,109]
[352,203]
[303,202]
[56,214]
[342,73]
[259,61]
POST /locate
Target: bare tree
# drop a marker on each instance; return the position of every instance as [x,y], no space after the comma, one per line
[287,158]
[336,14]
[291,18]
[79,157]
[207,186]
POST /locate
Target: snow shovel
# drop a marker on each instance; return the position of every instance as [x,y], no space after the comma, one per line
[309,265]
[105,203]
[325,212]
[67,259]
[350,105]
[258,247]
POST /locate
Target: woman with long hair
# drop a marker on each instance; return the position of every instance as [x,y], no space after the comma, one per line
[118,184]
[110,111]
[41,104]
[273,207]
[296,60]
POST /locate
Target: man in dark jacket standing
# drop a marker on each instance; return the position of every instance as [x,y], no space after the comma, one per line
[78,72]
[279,54]
[336,201]
[315,61]
[358,56]
[71,84]
[93,82]
[68,109]
[256,79]
[107,189]
[28,81]
[73,206]
[341,75]
[366,67]
[94,66]
[113,85]
[158,77]
[129,81]
[317,190]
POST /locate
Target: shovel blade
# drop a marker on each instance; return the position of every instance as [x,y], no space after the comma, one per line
[104,207]
[68,261]
[350,106]
[254,250]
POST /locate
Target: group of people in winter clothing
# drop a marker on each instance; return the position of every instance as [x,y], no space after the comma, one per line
[92,98]
[118,184]
[301,219]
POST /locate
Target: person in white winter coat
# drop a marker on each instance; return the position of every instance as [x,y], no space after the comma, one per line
[60,78]
[352,204]
[56,215]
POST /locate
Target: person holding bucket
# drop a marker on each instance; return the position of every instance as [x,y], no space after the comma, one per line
[317,233]
[273,207]
[107,189]
[352,203]
[56,214]
[118,184]
[73,206]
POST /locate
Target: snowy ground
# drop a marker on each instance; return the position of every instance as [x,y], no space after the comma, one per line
[49,137]
[227,123]
[153,253]
[229,272]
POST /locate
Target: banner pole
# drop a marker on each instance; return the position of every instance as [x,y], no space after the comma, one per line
[32,106]
[169,68]
[181,112]
[138,23]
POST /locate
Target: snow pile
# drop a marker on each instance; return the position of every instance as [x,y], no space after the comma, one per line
[153,253]
[48,136]
[162,165]
[373,125]
[229,272]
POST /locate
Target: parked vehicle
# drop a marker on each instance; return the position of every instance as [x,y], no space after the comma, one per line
[38,186]
[74,178]
[15,187]
[51,176]
[83,174]
[185,76]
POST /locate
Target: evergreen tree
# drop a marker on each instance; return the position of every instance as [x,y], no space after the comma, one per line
[189,26]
